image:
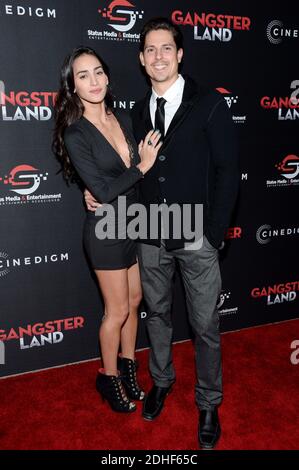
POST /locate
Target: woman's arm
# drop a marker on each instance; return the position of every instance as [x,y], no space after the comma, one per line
[81,156]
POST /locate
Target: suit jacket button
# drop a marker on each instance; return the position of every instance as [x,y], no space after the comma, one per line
[161,179]
[162,158]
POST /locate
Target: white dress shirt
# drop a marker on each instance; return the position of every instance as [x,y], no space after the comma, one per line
[173,97]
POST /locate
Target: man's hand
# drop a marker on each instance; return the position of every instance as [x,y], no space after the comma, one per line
[91,203]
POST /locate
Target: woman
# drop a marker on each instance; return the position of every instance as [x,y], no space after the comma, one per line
[96,142]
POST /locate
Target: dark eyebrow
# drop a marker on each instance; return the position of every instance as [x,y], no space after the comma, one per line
[82,71]
[167,44]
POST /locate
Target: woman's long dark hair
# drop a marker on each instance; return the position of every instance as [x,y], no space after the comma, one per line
[69,108]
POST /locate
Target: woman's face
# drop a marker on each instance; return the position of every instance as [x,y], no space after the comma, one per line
[90,79]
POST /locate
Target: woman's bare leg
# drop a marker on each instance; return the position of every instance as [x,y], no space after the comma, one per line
[115,290]
[129,329]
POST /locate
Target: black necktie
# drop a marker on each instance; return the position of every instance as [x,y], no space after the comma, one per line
[160,116]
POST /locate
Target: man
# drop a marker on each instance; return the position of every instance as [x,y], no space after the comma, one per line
[197,164]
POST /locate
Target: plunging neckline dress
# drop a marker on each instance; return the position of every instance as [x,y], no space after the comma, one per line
[114,184]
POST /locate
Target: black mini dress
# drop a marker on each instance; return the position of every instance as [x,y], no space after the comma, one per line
[113,184]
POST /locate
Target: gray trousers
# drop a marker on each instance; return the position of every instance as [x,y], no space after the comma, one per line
[202,282]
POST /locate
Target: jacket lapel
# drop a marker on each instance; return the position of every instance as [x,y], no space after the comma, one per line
[145,114]
[190,96]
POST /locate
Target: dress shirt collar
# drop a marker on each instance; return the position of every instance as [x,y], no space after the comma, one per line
[171,94]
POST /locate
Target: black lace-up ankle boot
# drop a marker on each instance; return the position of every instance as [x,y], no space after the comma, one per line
[128,376]
[111,389]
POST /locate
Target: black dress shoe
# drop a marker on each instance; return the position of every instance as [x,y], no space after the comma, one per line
[154,401]
[209,428]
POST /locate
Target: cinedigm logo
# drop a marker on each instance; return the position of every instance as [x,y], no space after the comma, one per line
[121,17]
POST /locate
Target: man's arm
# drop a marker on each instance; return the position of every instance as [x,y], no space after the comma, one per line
[224,153]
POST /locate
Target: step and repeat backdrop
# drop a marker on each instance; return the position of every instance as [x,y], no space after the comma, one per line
[50,306]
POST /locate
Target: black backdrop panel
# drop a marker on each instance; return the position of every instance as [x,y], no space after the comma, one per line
[50,304]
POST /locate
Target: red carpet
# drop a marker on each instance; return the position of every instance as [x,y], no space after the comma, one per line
[60,408]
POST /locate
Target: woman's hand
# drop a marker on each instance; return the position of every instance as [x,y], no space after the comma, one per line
[148,150]
[91,203]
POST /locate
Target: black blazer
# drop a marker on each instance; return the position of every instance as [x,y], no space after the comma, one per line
[198,161]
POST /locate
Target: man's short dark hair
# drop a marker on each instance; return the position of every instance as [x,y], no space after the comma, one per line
[161,23]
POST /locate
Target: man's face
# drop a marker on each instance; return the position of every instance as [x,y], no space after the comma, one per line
[160,57]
